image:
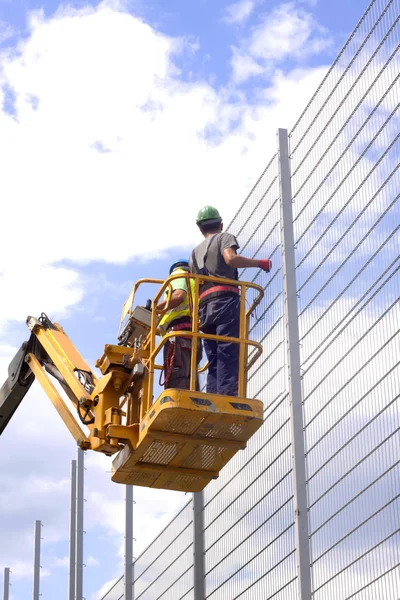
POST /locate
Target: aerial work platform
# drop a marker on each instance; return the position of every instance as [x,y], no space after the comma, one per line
[178,441]
[186,439]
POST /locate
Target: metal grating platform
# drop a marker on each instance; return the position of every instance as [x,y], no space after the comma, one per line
[186,439]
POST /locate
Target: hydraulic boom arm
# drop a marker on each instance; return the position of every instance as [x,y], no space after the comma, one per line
[49,351]
[20,379]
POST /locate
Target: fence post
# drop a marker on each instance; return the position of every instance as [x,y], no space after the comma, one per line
[72,530]
[36,561]
[294,377]
[198,546]
[79,525]
[6,593]
[128,570]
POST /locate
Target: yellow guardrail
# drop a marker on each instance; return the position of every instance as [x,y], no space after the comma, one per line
[155,348]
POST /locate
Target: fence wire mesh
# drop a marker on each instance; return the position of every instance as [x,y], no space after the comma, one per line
[165,569]
[249,516]
[345,151]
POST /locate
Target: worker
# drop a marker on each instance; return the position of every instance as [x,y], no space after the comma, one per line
[177,350]
[219,307]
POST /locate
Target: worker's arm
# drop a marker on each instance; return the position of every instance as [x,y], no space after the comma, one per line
[236,261]
[178,296]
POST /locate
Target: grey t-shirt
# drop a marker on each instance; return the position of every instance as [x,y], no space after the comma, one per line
[216,264]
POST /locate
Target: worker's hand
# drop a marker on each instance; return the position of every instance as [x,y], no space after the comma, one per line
[265,264]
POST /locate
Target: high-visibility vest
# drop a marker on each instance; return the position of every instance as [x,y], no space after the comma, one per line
[183,310]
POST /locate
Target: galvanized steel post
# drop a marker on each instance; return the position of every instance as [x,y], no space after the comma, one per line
[128,570]
[72,534]
[198,546]
[6,593]
[79,526]
[36,561]
[294,376]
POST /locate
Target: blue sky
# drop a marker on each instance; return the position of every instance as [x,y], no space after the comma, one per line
[185,97]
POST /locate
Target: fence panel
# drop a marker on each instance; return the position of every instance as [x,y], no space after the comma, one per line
[249,516]
[345,175]
[165,569]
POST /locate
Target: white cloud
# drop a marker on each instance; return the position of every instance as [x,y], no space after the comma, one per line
[104,146]
[40,287]
[104,589]
[23,570]
[238,12]
[60,562]
[153,509]
[91,561]
[61,190]
[170,144]
[285,33]
[244,66]
[288,32]
[34,482]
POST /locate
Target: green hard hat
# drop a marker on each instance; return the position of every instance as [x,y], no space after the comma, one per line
[208,213]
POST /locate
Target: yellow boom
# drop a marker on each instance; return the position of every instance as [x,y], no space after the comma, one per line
[179,441]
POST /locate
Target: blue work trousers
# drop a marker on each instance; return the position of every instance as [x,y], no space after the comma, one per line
[220,316]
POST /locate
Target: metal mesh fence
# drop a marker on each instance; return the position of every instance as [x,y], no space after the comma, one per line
[165,569]
[249,516]
[345,151]
[345,178]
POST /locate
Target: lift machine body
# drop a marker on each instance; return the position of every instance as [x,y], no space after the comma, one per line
[178,441]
